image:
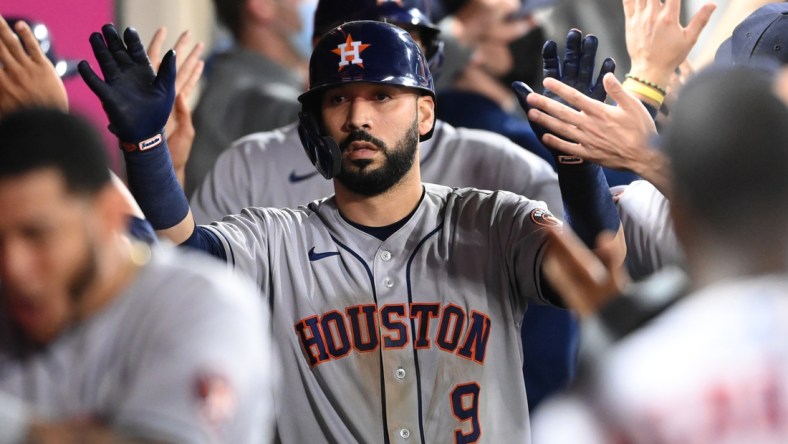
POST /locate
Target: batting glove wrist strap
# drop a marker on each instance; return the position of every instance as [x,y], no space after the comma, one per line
[144,145]
[153,183]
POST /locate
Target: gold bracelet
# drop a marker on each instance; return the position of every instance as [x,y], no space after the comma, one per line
[645,91]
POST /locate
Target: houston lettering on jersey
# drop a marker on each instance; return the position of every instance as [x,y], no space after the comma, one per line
[364,328]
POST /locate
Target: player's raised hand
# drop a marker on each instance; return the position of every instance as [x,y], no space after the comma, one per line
[27,77]
[612,136]
[656,41]
[137,100]
[576,71]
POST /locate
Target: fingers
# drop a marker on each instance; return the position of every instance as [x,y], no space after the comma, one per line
[572,96]
[598,91]
[585,71]
[187,65]
[180,45]
[699,21]
[552,67]
[11,52]
[192,80]
[571,57]
[557,122]
[165,78]
[135,49]
[522,91]
[98,86]
[618,94]
[109,67]
[629,8]
[115,45]
[30,43]
[154,47]
[564,146]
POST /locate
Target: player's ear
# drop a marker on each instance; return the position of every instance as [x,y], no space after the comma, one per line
[426,111]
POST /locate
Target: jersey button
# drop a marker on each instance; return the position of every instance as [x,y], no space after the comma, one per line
[388,282]
[385,255]
[404,433]
[400,373]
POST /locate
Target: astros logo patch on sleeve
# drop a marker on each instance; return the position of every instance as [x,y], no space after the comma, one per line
[350,53]
[544,218]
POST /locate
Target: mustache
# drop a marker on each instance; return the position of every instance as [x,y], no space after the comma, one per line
[362,136]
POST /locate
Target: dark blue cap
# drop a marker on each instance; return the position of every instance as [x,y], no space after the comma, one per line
[759,39]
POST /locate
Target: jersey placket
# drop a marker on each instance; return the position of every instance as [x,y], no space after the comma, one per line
[399,370]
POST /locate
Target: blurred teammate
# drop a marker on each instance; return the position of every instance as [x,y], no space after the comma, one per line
[102,338]
[255,85]
[711,367]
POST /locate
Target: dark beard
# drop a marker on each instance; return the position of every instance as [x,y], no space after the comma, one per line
[398,162]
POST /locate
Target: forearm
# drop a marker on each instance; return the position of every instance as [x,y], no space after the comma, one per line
[588,203]
[153,182]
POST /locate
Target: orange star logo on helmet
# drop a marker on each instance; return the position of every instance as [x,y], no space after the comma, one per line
[350,53]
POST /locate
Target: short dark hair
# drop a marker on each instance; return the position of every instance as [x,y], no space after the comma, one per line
[39,138]
[230,13]
[728,144]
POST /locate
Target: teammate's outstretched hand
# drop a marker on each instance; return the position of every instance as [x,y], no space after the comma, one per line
[27,77]
[577,72]
[179,128]
[137,101]
[656,41]
[612,136]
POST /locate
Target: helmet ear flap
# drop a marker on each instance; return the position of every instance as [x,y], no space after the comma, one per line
[322,151]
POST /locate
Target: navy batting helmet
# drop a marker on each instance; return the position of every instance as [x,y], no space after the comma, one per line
[64,67]
[357,52]
[411,15]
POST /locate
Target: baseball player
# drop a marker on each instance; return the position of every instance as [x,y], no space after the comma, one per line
[724,338]
[396,304]
[268,169]
[104,340]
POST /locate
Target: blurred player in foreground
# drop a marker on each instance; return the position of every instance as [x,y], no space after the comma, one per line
[713,366]
[102,339]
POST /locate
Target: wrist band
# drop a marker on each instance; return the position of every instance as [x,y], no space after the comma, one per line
[646,91]
[662,90]
[151,142]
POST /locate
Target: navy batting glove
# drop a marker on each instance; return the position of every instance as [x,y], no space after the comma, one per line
[136,100]
[577,71]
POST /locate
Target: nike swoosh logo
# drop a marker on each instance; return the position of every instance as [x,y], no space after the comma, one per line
[317,256]
[295,178]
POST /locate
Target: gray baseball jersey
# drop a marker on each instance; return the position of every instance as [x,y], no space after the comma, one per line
[412,339]
[182,355]
[648,229]
[271,170]
[712,368]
